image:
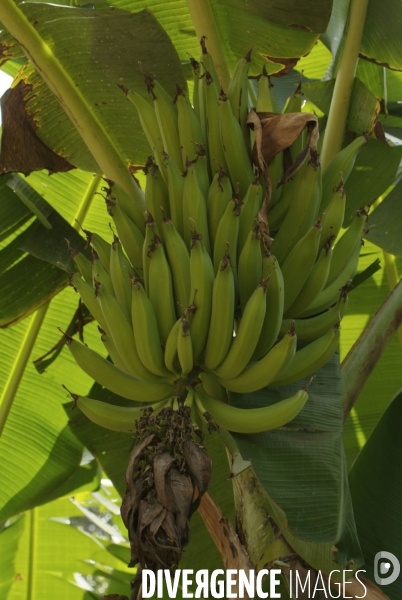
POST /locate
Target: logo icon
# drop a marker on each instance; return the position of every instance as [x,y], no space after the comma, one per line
[386,568]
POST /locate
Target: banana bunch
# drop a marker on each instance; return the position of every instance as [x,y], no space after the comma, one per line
[192,297]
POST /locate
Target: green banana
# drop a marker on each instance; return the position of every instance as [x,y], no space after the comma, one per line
[112,350]
[102,248]
[156,194]
[175,183]
[122,335]
[170,355]
[265,99]
[213,388]
[201,168]
[184,346]
[275,296]
[129,234]
[150,232]
[188,124]
[238,95]
[219,195]
[234,147]
[202,281]
[179,261]
[83,264]
[308,330]
[221,326]
[87,294]
[146,331]
[194,208]
[120,272]
[277,213]
[247,335]
[250,266]
[309,359]
[160,290]
[332,219]
[252,203]
[133,206]
[195,65]
[208,63]
[118,382]
[299,263]
[251,420]
[314,283]
[340,166]
[166,116]
[261,374]
[346,245]
[100,275]
[217,160]
[227,233]
[150,126]
[302,212]
[115,418]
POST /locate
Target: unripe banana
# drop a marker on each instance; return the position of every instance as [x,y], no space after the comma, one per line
[202,281]
[195,65]
[120,272]
[118,382]
[100,275]
[219,196]
[227,233]
[171,356]
[346,245]
[309,359]
[150,126]
[247,335]
[208,63]
[250,266]
[102,248]
[166,116]
[161,290]
[213,388]
[260,374]
[275,295]
[150,232]
[265,99]
[277,213]
[112,350]
[302,212]
[308,330]
[194,208]
[146,332]
[340,166]
[299,263]
[252,203]
[234,147]
[251,420]
[123,337]
[201,168]
[175,183]
[133,206]
[83,264]
[115,418]
[332,219]
[156,194]
[238,95]
[87,294]
[217,160]
[179,261]
[189,126]
[184,346]
[221,326]
[131,237]
[314,283]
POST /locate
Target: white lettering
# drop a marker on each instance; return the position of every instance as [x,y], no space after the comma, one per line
[333,584]
[230,582]
[259,591]
[321,589]
[186,582]
[220,592]
[345,582]
[246,582]
[360,581]
[148,591]
[274,582]
[159,585]
[305,584]
[172,589]
[201,579]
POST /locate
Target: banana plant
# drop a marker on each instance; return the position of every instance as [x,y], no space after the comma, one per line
[86,70]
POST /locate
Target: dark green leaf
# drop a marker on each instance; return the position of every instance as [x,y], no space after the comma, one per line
[9,542]
[376,488]
[387,218]
[381,35]
[366,274]
[13,212]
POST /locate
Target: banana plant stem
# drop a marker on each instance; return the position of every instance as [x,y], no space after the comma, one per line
[204,23]
[31,335]
[338,112]
[393,278]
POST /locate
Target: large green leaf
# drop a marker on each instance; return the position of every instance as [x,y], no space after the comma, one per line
[381,35]
[386,218]
[38,453]
[376,488]
[301,465]
[9,542]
